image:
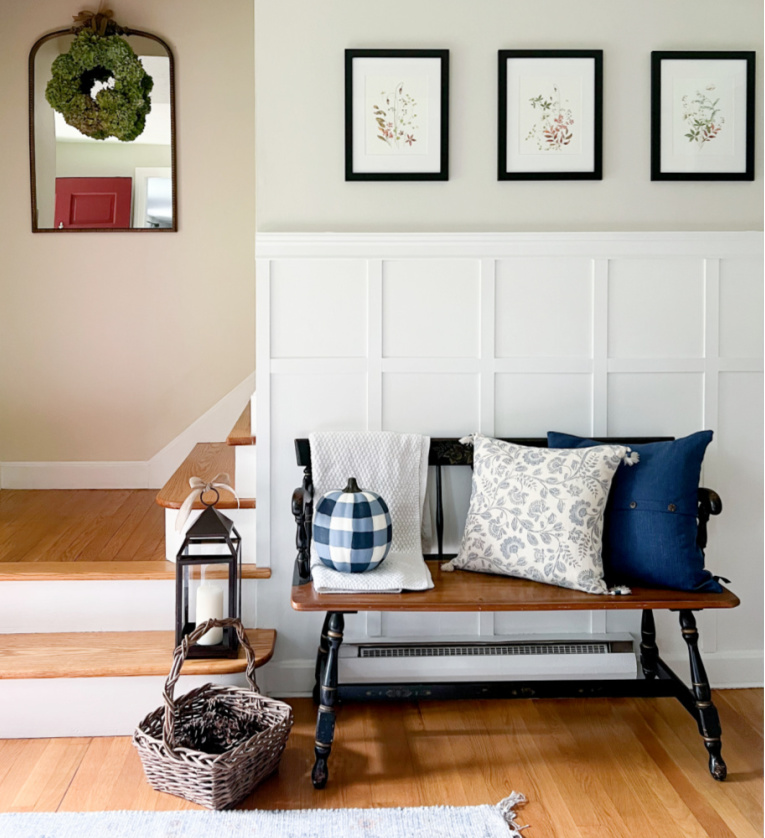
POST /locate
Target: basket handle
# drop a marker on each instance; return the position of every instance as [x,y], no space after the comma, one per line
[180,655]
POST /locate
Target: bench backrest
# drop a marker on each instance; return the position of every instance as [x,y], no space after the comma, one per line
[449,451]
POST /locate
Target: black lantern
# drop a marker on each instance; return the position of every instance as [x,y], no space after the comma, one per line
[208,583]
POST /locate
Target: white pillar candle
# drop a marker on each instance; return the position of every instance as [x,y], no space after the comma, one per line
[210,607]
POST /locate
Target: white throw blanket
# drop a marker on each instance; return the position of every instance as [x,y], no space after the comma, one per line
[395,466]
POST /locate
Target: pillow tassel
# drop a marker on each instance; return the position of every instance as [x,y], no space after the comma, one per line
[631,457]
[449,566]
[468,440]
[619,590]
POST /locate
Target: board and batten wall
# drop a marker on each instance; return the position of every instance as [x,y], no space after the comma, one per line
[514,335]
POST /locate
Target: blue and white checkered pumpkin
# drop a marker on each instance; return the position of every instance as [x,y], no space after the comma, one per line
[352,530]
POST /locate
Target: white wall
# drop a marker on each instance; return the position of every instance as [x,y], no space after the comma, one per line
[111,344]
[299,115]
[515,335]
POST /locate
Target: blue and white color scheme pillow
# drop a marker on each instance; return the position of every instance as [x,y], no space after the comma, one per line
[651,518]
[352,529]
[538,514]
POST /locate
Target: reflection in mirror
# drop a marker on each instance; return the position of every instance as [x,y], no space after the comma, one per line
[79,183]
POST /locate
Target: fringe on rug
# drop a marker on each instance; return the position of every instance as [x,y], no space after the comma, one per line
[506,808]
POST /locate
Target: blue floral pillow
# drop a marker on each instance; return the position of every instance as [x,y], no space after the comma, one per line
[537,513]
[650,524]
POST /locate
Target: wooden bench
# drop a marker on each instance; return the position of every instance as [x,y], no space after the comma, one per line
[465,591]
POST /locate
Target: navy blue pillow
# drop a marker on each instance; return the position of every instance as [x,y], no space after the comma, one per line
[650,521]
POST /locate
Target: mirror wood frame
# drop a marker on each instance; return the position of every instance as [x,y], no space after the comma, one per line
[173,159]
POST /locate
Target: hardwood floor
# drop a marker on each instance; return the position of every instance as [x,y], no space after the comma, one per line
[82,525]
[590,769]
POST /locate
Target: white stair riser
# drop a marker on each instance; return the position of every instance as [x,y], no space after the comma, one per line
[87,706]
[121,605]
[244,521]
[245,456]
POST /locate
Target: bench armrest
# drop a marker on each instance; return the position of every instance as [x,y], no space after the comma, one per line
[302,509]
[709,503]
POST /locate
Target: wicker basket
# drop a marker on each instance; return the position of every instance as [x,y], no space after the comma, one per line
[242,734]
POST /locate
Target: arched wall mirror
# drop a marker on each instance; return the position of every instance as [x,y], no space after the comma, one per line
[103,185]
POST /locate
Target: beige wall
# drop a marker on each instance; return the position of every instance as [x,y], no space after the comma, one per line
[299,115]
[112,343]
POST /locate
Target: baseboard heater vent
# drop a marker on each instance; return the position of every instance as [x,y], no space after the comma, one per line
[484,650]
[490,660]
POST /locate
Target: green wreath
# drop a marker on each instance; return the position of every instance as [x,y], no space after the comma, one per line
[119,111]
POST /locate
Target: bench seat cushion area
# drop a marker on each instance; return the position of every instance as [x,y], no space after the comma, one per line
[464,590]
[650,524]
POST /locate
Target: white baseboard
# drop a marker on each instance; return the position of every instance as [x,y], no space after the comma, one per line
[212,426]
[726,670]
[91,475]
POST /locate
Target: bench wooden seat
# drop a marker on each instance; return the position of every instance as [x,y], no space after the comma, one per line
[463,590]
[467,591]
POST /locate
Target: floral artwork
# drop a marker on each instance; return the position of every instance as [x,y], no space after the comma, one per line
[552,129]
[396,117]
[397,114]
[702,116]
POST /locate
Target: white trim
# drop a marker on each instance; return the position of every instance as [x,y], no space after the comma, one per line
[262,419]
[213,425]
[374,344]
[74,475]
[498,245]
[651,365]
[542,364]
[600,347]
[488,348]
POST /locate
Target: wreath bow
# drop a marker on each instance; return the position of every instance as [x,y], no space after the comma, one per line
[97,21]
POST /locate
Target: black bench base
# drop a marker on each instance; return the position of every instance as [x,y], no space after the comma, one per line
[657,681]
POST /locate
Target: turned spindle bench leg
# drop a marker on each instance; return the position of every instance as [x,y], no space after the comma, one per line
[706,713]
[325,720]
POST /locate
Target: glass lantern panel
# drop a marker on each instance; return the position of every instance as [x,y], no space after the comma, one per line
[206,588]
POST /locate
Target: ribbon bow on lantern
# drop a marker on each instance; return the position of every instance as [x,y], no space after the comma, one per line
[199,488]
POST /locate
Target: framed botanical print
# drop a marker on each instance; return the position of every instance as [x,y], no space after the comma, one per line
[702,116]
[397,114]
[550,115]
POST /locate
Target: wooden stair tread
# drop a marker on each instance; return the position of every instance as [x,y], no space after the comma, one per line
[241,433]
[205,461]
[114,654]
[103,571]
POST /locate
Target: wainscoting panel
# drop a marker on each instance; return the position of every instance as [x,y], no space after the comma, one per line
[511,335]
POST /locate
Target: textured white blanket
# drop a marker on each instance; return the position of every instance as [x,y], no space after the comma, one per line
[395,466]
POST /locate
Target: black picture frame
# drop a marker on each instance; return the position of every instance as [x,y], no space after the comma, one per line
[437,159]
[665,166]
[509,169]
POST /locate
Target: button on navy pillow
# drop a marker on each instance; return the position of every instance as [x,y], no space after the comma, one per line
[650,522]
